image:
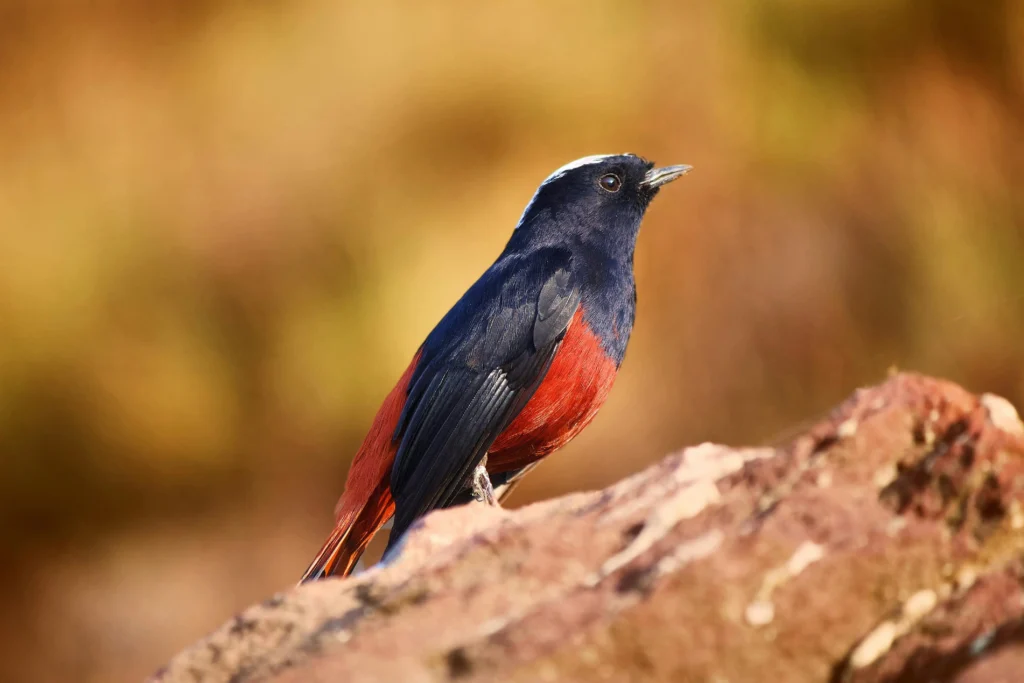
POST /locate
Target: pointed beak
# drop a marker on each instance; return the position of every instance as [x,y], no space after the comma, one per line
[657,177]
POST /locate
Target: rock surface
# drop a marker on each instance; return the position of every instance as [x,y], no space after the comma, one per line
[885,543]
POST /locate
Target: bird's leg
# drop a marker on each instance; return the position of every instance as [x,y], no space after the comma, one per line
[481,484]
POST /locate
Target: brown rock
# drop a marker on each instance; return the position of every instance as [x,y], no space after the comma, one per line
[884,544]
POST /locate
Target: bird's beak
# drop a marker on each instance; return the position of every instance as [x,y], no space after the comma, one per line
[657,177]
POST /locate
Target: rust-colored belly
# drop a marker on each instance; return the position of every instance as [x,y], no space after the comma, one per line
[575,388]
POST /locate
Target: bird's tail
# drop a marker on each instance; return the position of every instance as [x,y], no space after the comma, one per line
[352,532]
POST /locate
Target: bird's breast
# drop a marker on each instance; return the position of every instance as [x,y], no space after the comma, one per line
[574,389]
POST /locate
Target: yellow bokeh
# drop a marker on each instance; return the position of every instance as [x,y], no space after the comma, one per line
[225,228]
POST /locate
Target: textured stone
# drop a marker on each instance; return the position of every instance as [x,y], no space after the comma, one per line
[885,543]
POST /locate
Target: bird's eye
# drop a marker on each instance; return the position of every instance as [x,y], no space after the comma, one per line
[610,182]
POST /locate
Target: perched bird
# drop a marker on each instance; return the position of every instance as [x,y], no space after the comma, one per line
[517,368]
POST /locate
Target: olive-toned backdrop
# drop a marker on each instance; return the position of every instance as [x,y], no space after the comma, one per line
[226,226]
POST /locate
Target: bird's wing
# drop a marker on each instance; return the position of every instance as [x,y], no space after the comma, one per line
[462,401]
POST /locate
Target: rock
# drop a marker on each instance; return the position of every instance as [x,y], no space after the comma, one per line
[886,543]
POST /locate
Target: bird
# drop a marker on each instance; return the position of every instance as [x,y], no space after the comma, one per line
[517,368]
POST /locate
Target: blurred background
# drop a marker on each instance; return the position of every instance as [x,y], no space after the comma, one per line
[226,226]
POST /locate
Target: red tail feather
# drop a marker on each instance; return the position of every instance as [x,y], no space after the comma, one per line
[351,534]
[366,504]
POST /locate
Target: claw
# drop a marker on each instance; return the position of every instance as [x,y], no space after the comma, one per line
[483,491]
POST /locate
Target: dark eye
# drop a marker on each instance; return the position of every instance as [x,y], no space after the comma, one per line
[610,182]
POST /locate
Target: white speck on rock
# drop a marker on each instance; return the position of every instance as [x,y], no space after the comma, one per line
[759,613]
[1002,414]
[880,640]
[493,626]
[896,525]
[919,604]
[1016,516]
[966,577]
[692,487]
[876,644]
[713,461]
[683,504]
[847,428]
[807,554]
[699,465]
[697,549]
[885,476]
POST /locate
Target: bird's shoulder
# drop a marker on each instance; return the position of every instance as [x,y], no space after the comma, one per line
[517,304]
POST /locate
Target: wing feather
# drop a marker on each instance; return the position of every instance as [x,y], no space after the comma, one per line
[463,400]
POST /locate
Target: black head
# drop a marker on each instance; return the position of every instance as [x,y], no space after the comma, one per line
[594,199]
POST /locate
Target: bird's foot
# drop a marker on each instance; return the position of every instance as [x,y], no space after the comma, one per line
[483,491]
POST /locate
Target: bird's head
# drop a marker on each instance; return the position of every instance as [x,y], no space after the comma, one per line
[596,197]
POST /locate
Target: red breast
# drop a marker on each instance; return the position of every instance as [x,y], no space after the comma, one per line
[575,388]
